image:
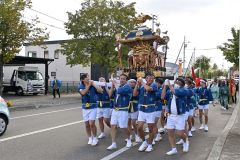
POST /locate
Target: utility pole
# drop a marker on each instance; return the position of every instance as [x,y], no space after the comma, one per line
[194,55]
[184,48]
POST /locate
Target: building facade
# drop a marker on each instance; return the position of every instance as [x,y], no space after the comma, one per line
[59,67]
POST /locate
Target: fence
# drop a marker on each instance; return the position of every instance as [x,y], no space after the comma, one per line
[67,87]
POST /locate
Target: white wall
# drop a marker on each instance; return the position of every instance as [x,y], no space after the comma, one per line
[7,72]
[63,72]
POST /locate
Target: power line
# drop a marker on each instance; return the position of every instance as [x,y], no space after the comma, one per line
[47,15]
[50,25]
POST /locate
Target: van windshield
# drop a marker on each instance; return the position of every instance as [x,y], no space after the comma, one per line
[31,75]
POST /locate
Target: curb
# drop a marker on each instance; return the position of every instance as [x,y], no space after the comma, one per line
[219,143]
[37,106]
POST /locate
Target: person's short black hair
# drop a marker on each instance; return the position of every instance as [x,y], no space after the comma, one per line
[124,76]
[159,80]
[190,78]
[83,76]
[150,75]
[181,80]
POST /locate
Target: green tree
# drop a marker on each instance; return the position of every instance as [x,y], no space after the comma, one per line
[203,63]
[14,31]
[94,27]
[231,48]
[213,71]
[215,67]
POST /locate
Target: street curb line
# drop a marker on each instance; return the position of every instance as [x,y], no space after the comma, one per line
[36,106]
[219,143]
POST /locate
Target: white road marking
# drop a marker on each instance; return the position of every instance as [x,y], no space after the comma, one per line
[116,153]
[39,131]
[31,115]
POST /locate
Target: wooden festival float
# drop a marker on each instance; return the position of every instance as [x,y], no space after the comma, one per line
[148,51]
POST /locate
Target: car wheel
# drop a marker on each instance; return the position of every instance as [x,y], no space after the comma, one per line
[19,91]
[3,124]
[35,94]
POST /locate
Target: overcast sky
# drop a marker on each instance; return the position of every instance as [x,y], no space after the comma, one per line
[205,23]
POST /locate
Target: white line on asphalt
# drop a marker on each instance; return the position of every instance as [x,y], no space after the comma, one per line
[39,131]
[116,153]
[31,115]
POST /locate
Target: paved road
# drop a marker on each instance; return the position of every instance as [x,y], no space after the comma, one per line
[58,133]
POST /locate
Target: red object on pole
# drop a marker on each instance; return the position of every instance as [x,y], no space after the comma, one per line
[198,81]
[193,74]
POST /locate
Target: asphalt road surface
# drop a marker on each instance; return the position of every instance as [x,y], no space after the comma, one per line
[58,133]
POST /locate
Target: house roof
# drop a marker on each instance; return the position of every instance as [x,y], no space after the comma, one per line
[48,42]
[20,60]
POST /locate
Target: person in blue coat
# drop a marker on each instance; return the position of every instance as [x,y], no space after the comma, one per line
[133,113]
[191,103]
[120,113]
[176,110]
[159,107]
[103,110]
[205,96]
[89,91]
[147,99]
[56,84]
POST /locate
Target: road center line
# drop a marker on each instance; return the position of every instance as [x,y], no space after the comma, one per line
[40,131]
[118,152]
[38,114]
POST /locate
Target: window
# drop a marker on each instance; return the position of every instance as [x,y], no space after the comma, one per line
[39,76]
[22,75]
[46,55]
[53,74]
[32,54]
[56,54]
[31,75]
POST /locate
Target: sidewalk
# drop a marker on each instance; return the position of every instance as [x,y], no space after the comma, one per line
[227,146]
[231,148]
[24,102]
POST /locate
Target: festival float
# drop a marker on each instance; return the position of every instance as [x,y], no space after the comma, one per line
[148,51]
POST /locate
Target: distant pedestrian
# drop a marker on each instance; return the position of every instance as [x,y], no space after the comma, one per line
[224,95]
[237,90]
[233,93]
[215,91]
[56,84]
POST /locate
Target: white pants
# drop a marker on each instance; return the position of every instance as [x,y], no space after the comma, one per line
[89,114]
[146,117]
[164,107]
[176,122]
[119,118]
[133,115]
[186,115]
[103,112]
[158,114]
[203,106]
[191,112]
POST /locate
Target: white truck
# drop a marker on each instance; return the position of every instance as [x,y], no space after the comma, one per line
[23,80]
